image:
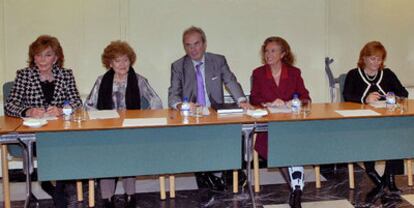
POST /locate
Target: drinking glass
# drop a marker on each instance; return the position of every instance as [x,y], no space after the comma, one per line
[80,114]
[402,103]
[197,110]
[306,106]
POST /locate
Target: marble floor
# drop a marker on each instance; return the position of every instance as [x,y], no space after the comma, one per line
[333,194]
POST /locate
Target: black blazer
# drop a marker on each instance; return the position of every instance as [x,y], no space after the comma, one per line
[358,86]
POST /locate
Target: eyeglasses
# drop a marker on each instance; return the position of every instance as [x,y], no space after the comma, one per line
[374,59]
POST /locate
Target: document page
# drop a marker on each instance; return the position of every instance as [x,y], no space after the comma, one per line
[144,122]
[103,114]
[282,109]
[357,113]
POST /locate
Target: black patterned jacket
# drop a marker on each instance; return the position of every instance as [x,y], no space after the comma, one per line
[27,91]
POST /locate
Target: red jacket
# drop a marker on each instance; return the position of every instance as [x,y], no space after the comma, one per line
[264,89]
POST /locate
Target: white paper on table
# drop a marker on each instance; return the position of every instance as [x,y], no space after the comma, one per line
[46,117]
[144,122]
[354,113]
[282,109]
[34,122]
[257,113]
[378,104]
[103,114]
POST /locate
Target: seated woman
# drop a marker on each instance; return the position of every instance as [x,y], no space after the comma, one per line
[274,84]
[40,90]
[121,88]
[369,83]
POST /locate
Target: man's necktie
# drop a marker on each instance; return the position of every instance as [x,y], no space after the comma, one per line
[201,99]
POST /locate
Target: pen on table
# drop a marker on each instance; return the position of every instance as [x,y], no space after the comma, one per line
[46,108]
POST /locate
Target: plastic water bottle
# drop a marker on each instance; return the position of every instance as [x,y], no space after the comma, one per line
[67,110]
[185,108]
[390,101]
[295,104]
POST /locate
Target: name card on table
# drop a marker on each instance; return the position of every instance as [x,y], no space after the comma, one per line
[144,122]
[281,109]
[357,113]
[103,114]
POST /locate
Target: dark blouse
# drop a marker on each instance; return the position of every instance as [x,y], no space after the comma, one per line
[48,89]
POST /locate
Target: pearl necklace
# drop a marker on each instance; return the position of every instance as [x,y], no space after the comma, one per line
[368,77]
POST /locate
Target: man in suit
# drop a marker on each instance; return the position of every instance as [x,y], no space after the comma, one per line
[214,72]
[199,76]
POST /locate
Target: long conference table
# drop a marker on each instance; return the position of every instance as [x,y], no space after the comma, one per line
[105,148]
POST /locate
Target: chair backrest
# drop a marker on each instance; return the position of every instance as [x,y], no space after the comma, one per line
[14,149]
[341,81]
[6,90]
[336,85]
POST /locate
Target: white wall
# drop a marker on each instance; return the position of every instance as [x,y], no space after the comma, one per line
[314,29]
[352,23]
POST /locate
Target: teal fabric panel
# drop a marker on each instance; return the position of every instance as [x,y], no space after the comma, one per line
[140,151]
[342,140]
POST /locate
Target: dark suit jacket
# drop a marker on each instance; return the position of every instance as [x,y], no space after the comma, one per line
[27,91]
[217,73]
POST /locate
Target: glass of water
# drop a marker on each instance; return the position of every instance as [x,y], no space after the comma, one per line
[402,103]
[80,114]
[306,106]
[198,110]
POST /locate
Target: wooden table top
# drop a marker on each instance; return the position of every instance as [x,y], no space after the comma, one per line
[9,124]
[320,111]
[173,119]
[326,111]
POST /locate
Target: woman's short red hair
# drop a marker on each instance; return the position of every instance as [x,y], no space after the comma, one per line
[373,48]
[116,49]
